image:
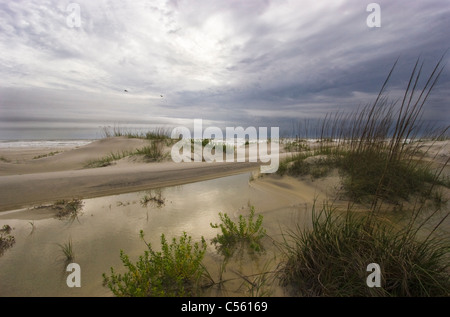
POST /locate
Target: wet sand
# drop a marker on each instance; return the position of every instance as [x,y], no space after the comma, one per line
[105,225]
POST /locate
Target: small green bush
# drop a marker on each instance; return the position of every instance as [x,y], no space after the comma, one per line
[174,271]
[245,231]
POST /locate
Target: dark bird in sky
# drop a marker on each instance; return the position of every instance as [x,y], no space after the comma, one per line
[126,90]
[161,96]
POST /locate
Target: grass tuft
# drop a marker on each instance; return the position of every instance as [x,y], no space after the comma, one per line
[331,258]
[153,198]
[68,209]
[154,152]
[46,155]
[67,250]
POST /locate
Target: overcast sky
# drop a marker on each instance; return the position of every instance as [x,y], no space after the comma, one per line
[228,62]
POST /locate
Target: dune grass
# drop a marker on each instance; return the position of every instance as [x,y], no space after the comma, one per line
[46,155]
[158,133]
[67,250]
[331,258]
[151,153]
[377,148]
[378,153]
[108,159]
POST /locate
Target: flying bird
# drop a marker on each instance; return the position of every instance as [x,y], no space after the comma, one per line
[161,96]
[126,90]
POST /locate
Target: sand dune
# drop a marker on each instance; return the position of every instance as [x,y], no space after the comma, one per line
[25,182]
[22,161]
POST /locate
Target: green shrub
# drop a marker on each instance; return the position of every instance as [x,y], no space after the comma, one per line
[174,271]
[245,231]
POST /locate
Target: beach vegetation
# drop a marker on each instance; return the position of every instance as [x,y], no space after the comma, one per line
[376,147]
[381,160]
[46,155]
[101,162]
[158,133]
[6,239]
[153,152]
[331,258]
[175,270]
[108,159]
[245,231]
[68,209]
[379,153]
[296,145]
[67,250]
[155,198]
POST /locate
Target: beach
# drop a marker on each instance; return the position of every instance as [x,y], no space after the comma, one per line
[112,209]
[158,197]
[38,175]
[26,180]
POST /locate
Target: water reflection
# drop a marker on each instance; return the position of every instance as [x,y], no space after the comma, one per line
[33,266]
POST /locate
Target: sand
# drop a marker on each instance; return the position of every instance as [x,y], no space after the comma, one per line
[26,181]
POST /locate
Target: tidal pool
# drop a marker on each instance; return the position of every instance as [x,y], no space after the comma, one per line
[36,266]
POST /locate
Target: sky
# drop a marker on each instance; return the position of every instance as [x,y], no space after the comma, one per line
[67,65]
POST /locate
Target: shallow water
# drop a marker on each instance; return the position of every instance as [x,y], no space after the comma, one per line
[35,264]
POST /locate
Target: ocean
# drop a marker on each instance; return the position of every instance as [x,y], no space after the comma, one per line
[8,144]
[47,137]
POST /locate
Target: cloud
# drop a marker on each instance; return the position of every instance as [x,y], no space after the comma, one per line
[224,61]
